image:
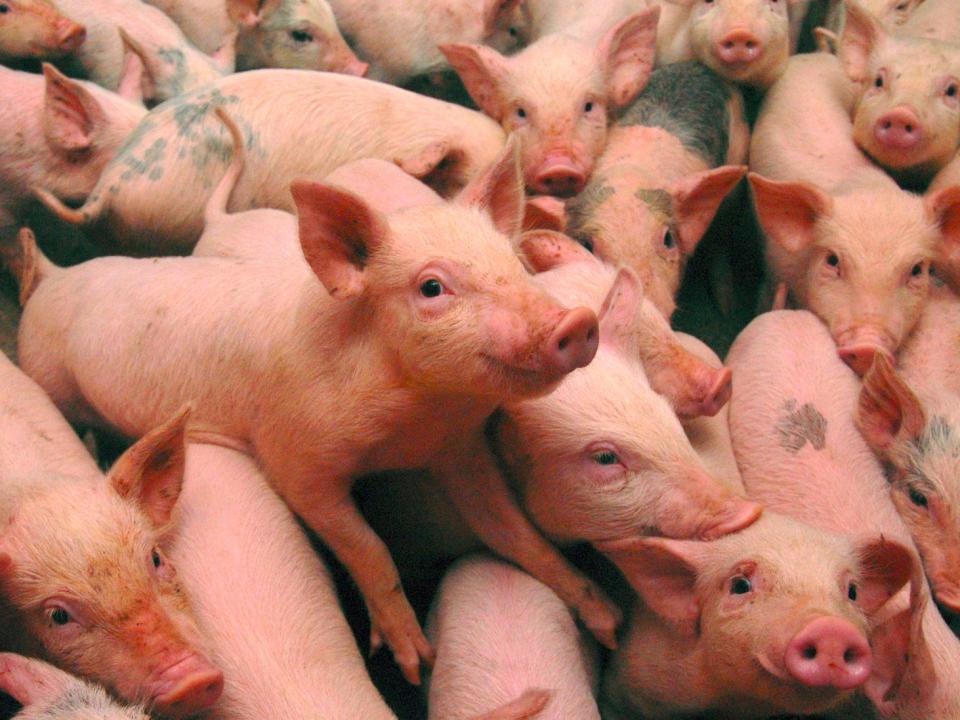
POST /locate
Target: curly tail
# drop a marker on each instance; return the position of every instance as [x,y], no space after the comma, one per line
[524,707]
[216,206]
[27,263]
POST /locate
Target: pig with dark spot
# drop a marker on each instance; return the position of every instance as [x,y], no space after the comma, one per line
[47,693]
[388,349]
[35,29]
[83,574]
[559,94]
[140,200]
[662,177]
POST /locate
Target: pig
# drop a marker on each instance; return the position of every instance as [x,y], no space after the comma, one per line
[451,330]
[66,131]
[929,354]
[497,631]
[692,386]
[907,117]
[559,94]
[662,177]
[891,13]
[35,29]
[139,200]
[252,573]
[801,453]
[83,574]
[774,619]
[281,33]
[400,39]
[177,66]
[937,19]
[744,41]
[910,423]
[859,260]
[47,693]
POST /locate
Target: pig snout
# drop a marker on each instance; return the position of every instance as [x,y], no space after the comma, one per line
[738,47]
[899,129]
[559,176]
[70,35]
[355,66]
[708,393]
[701,508]
[573,342]
[187,687]
[829,652]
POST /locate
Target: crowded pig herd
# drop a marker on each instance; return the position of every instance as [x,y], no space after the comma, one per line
[393,329]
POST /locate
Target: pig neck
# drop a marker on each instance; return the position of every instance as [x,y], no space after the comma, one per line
[656,156]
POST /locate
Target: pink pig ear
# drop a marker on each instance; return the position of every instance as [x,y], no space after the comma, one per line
[338,233]
[626,53]
[545,212]
[484,72]
[944,208]
[696,199]
[244,12]
[618,314]
[546,249]
[71,115]
[789,211]
[495,11]
[886,567]
[499,190]
[151,470]
[899,638]
[32,682]
[664,573]
[888,412]
[862,32]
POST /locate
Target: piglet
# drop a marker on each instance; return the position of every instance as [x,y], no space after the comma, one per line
[47,693]
[82,565]
[36,29]
[558,95]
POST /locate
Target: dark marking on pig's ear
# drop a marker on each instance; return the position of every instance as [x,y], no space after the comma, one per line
[789,211]
[887,411]
[800,425]
[861,34]
[339,231]
[499,190]
[626,53]
[71,115]
[151,471]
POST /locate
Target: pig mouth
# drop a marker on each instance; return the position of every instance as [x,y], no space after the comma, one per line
[525,375]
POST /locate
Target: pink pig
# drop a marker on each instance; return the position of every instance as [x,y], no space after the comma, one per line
[81,561]
[558,95]
[436,324]
[35,29]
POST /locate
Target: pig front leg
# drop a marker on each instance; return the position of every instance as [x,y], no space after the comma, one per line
[470,477]
[392,620]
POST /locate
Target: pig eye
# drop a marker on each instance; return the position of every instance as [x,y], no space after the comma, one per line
[521,113]
[431,288]
[4,9]
[951,90]
[606,457]
[917,497]
[587,243]
[301,36]
[833,260]
[878,81]
[668,242]
[740,585]
[852,592]
[916,270]
[513,32]
[588,107]
[157,560]
[59,616]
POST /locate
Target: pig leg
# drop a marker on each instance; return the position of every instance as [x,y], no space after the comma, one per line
[480,494]
[341,526]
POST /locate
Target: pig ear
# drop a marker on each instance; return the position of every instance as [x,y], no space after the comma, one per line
[896,641]
[887,412]
[499,190]
[943,207]
[151,470]
[338,233]
[484,72]
[664,573]
[244,12]
[71,115]
[31,682]
[494,11]
[618,314]
[788,211]
[546,249]
[696,199]
[886,567]
[626,53]
[545,212]
[424,161]
[861,34]
[133,75]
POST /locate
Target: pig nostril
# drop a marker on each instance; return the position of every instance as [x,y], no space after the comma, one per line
[564,341]
[750,45]
[728,45]
[810,652]
[909,128]
[850,656]
[591,334]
